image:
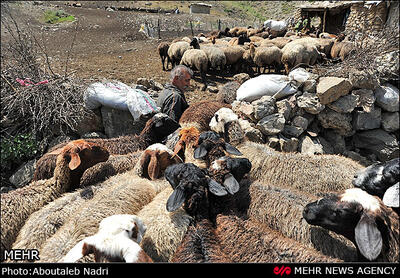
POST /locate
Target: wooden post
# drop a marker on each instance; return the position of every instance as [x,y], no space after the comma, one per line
[324,23]
[191,28]
[219,24]
[158,27]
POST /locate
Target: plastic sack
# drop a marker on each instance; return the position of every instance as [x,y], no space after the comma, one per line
[120,96]
[276,85]
[277,26]
[299,75]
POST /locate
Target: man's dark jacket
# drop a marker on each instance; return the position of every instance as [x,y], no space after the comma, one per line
[172,102]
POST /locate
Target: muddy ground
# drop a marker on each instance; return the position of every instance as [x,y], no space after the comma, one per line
[105,44]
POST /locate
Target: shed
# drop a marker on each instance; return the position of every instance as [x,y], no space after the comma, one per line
[348,16]
[200,8]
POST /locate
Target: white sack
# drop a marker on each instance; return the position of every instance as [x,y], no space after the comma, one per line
[278,26]
[276,85]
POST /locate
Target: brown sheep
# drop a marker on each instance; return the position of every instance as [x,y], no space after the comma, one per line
[163,52]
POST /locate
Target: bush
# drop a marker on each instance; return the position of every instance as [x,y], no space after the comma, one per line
[15,151]
[53,17]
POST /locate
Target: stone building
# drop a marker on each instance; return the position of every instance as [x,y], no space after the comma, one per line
[200,8]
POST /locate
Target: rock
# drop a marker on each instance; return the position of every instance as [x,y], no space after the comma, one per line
[264,106]
[338,121]
[284,108]
[310,103]
[310,86]
[24,174]
[94,135]
[241,77]
[250,132]
[244,110]
[378,142]
[387,97]
[271,124]
[357,157]
[91,121]
[390,121]
[363,80]
[143,81]
[315,145]
[330,89]
[118,122]
[300,121]
[344,104]
[366,99]
[292,131]
[288,145]
[388,64]
[227,92]
[335,140]
[363,120]
[140,87]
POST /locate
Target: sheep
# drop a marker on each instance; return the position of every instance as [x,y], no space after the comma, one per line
[325,35]
[18,205]
[309,173]
[296,53]
[216,57]
[341,49]
[163,52]
[158,127]
[233,55]
[154,160]
[196,59]
[127,194]
[237,31]
[267,56]
[247,241]
[279,41]
[200,245]
[248,59]
[239,40]
[323,45]
[199,114]
[363,219]
[116,240]
[253,31]
[176,51]
[281,208]
[165,230]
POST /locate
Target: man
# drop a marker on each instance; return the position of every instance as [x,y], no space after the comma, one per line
[172,100]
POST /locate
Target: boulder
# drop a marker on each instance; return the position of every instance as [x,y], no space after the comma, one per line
[91,121]
[292,131]
[387,97]
[363,80]
[244,110]
[330,89]
[363,120]
[366,99]
[314,145]
[271,124]
[250,132]
[264,106]
[301,122]
[341,123]
[390,121]
[284,108]
[24,174]
[310,86]
[288,145]
[335,140]
[344,104]
[227,92]
[378,142]
[310,103]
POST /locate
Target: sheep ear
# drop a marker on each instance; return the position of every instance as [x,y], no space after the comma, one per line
[75,161]
[200,152]
[231,184]
[232,150]
[143,164]
[391,196]
[175,200]
[154,167]
[368,237]
[216,188]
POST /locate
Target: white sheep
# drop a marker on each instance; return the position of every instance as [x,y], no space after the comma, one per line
[117,239]
[176,51]
[267,57]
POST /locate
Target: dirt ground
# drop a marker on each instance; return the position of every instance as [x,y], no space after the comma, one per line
[103,45]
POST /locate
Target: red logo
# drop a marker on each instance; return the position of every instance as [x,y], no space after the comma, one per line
[282,270]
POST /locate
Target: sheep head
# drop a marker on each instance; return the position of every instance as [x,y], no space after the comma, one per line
[82,154]
[188,138]
[360,217]
[154,160]
[190,185]
[160,126]
[210,144]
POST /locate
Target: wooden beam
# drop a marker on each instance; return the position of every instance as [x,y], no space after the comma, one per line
[324,22]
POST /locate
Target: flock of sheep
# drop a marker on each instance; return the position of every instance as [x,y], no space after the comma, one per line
[187,193]
[240,49]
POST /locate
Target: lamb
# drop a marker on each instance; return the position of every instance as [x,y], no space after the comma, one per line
[165,230]
[247,241]
[266,57]
[158,127]
[163,52]
[18,205]
[116,240]
[363,219]
[281,208]
[176,51]
[126,194]
[154,160]
[196,59]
